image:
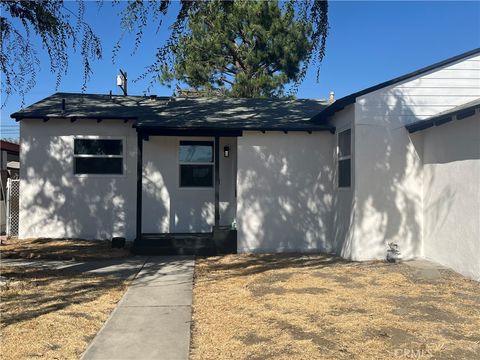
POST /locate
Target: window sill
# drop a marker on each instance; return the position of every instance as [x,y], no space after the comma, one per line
[99,175]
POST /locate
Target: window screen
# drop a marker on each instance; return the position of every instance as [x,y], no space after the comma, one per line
[344,158]
[98,156]
[196,163]
[344,173]
[196,151]
[98,147]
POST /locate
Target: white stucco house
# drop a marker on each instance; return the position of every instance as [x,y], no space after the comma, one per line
[398,162]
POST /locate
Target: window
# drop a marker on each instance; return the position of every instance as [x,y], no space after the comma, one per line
[196,163]
[344,158]
[98,156]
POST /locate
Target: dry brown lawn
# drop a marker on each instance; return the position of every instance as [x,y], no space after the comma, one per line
[61,249]
[53,314]
[321,307]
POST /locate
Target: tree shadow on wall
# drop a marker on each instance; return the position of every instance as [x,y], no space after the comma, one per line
[389,182]
[56,203]
[285,195]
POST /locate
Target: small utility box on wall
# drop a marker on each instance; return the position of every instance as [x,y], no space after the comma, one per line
[118,242]
[225,240]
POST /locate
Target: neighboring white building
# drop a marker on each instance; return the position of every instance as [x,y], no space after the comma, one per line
[395,163]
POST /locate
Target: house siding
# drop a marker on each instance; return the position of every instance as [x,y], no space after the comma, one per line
[420,191]
[55,203]
[423,96]
[343,211]
[168,208]
[389,169]
[451,192]
[285,192]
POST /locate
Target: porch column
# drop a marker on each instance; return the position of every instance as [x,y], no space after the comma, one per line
[139,184]
[217,181]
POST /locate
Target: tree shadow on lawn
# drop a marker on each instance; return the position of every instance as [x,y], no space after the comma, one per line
[252,264]
[62,249]
[33,292]
[334,307]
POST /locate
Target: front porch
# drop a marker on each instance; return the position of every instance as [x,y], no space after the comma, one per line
[190,218]
[220,241]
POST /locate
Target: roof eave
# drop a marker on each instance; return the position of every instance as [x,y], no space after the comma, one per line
[350,99]
[442,119]
[70,117]
[335,107]
[157,128]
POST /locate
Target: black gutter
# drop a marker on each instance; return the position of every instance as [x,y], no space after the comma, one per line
[234,131]
[341,103]
[442,119]
[163,130]
[188,132]
[138,223]
[217,181]
[20,117]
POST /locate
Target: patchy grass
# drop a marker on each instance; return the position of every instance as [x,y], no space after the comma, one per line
[53,314]
[61,249]
[322,307]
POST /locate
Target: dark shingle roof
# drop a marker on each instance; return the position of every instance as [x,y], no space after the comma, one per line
[96,106]
[231,113]
[350,99]
[459,113]
[185,113]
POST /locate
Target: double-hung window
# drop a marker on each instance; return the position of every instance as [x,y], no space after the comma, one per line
[196,161]
[98,156]
[344,151]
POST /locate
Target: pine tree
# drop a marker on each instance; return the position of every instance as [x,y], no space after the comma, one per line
[241,49]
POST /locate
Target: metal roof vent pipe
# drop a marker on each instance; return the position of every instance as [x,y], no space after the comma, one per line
[63,104]
[331,97]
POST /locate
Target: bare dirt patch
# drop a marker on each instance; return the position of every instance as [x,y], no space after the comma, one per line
[322,307]
[53,314]
[61,249]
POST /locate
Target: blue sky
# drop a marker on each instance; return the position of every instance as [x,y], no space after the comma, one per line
[369,42]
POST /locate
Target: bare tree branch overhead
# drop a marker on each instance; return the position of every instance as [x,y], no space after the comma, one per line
[61,29]
[58,28]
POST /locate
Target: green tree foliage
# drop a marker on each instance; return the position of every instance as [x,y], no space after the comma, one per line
[227,20]
[241,49]
[58,29]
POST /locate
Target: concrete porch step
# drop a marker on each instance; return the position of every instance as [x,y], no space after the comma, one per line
[175,244]
[222,240]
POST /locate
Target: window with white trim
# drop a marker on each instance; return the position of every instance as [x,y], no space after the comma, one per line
[98,156]
[196,162]
[344,151]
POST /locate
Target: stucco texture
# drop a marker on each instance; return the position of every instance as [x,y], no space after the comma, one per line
[166,207]
[55,203]
[285,192]
[388,201]
[451,193]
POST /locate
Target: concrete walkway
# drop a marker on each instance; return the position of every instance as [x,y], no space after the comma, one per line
[152,321]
